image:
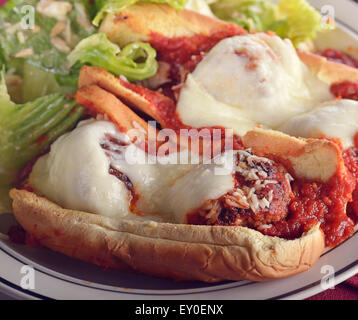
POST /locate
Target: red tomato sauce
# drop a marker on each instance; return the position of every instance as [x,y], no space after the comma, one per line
[181,49]
[166,114]
[318,202]
[339,57]
[164,106]
[350,157]
[345,90]
[184,53]
[333,204]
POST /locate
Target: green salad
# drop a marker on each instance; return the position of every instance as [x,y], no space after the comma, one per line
[44,44]
[293,19]
[56,46]
[64,36]
[40,61]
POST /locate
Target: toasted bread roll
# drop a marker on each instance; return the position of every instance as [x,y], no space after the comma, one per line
[90,76]
[102,100]
[139,21]
[176,251]
[327,71]
[311,159]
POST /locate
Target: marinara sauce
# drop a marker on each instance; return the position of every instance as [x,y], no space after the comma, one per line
[314,202]
[184,53]
[182,49]
[345,89]
[332,204]
[350,156]
[165,113]
[339,57]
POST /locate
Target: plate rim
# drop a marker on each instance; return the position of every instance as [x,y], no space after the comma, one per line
[15,291]
[299,293]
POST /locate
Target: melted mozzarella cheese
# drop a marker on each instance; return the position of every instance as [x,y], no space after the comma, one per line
[204,182]
[151,179]
[249,80]
[75,174]
[198,108]
[335,119]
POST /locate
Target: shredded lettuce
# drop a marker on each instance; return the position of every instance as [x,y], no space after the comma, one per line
[35,46]
[300,21]
[293,19]
[116,6]
[45,54]
[255,15]
[47,69]
[27,129]
[136,61]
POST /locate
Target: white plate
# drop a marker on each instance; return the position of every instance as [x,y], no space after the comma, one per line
[59,277]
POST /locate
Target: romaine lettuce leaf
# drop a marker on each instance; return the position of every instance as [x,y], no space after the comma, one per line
[293,19]
[27,129]
[255,15]
[116,6]
[299,21]
[136,61]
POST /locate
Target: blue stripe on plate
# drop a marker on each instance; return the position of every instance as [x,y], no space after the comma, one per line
[125,292]
[27,292]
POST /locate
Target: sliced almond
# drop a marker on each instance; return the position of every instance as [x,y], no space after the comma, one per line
[24,53]
[58,28]
[60,44]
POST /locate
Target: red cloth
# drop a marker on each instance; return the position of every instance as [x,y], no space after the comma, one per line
[347,290]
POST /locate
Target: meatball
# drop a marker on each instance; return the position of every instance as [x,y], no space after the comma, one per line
[261,195]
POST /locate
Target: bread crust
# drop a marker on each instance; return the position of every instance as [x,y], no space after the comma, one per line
[311,159]
[90,76]
[175,251]
[93,94]
[327,71]
[139,21]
